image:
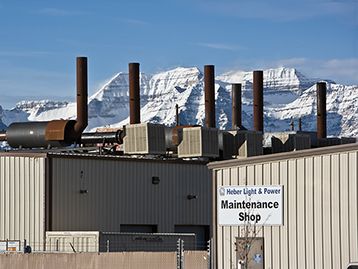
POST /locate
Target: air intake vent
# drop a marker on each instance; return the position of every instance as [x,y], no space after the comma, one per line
[199,142]
[144,138]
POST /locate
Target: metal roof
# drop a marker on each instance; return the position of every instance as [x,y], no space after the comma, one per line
[282,156]
[74,155]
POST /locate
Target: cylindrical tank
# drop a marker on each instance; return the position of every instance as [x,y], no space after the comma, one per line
[29,135]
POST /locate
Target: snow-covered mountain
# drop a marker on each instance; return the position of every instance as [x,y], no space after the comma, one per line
[287,93]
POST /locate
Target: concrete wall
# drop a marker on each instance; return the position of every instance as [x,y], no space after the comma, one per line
[320,208]
[125,260]
[22,199]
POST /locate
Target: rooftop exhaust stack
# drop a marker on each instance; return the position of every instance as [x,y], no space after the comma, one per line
[321,110]
[82,92]
[199,141]
[209,88]
[177,120]
[236,106]
[134,94]
[141,138]
[55,133]
[258,100]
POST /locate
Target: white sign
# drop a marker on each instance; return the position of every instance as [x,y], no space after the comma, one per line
[250,205]
[10,246]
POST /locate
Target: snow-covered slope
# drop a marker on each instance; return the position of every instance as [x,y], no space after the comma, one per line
[182,86]
[287,93]
[279,79]
[342,110]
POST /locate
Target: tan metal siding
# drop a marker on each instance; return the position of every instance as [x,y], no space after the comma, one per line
[320,211]
[276,244]
[284,229]
[353,208]
[121,192]
[292,214]
[309,209]
[22,199]
[344,216]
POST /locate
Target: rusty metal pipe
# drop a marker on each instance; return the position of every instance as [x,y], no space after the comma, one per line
[82,89]
[258,93]
[209,88]
[300,124]
[321,110]
[102,137]
[177,120]
[134,95]
[55,133]
[292,124]
[236,106]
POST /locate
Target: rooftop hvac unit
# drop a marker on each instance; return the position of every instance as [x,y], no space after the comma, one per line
[226,145]
[283,142]
[247,143]
[144,138]
[199,142]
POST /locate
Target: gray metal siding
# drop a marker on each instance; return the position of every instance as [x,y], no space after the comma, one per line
[22,199]
[121,192]
[320,211]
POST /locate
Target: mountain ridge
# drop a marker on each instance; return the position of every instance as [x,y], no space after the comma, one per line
[285,90]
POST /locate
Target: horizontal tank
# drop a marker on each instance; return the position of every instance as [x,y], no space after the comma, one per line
[30,135]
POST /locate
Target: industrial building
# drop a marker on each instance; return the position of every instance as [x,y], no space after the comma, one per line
[157,179]
[43,192]
[319,216]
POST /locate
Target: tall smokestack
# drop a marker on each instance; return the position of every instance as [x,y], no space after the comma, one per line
[300,124]
[209,87]
[134,98]
[321,110]
[82,87]
[258,92]
[236,106]
[177,115]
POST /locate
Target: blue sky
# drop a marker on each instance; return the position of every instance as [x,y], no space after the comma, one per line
[40,40]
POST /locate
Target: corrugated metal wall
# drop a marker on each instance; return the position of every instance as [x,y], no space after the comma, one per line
[22,199]
[121,192]
[320,211]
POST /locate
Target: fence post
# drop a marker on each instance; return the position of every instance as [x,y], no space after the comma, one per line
[57,245]
[107,245]
[180,254]
[210,258]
